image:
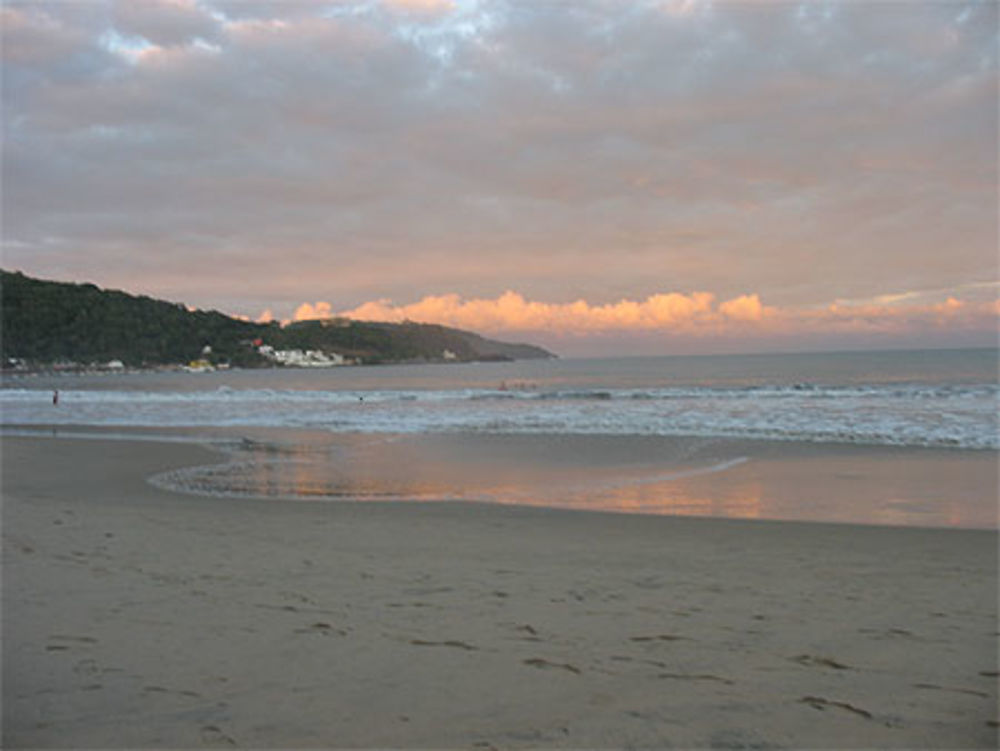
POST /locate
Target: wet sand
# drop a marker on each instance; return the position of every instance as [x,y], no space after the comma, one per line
[137,617]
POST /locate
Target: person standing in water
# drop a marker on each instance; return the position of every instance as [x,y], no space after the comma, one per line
[55,398]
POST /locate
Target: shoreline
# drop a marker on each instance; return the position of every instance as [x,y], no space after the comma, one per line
[96,369]
[887,486]
[138,617]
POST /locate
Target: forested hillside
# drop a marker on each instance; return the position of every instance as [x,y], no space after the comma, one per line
[48,322]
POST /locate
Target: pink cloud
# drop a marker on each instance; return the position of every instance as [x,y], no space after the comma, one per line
[308,311]
[745,308]
[691,317]
[511,311]
[691,314]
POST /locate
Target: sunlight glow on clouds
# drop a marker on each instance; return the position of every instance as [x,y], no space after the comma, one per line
[512,312]
[693,314]
[309,312]
[360,151]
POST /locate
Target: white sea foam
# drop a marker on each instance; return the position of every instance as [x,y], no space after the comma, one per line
[954,415]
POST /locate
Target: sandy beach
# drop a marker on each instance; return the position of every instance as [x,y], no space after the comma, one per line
[134,617]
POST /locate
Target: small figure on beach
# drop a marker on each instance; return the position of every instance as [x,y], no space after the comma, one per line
[55,398]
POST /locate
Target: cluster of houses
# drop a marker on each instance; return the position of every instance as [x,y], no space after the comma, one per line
[297,358]
[293,358]
[20,364]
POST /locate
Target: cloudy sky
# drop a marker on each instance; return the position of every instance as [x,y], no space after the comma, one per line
[600,176]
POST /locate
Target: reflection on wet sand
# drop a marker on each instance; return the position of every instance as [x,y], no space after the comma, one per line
[676,499]
[914,487]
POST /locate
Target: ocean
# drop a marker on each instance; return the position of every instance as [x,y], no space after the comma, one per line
[614,434]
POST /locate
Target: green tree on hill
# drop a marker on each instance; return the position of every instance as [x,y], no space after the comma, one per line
[46,322]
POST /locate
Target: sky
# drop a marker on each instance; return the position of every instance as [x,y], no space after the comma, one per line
[601,177]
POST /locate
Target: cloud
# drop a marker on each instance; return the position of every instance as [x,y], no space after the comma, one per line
[309,311]
[421,6]
[896,319]
[511,311]
[257,154]
[684,8]
[166,22]
[696,314]
[744,308]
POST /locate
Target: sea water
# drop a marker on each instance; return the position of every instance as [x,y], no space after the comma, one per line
[600,433]
[944,398]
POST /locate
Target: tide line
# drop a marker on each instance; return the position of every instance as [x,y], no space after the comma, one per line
[681,474]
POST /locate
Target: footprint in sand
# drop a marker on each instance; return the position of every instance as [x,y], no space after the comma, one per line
[695,677]
[887,633]
[823,662]
[64,643]
[449,643]
[321,627]
[162,690]
[658,637]
[210,734]
[820,703]
[529,632]
[543,664]
[935,687]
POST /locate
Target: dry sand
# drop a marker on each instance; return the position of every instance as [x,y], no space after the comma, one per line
[134,617]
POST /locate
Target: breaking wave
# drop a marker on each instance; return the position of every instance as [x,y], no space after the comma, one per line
[943,415]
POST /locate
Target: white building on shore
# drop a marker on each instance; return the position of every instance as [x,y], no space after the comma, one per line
[296,358]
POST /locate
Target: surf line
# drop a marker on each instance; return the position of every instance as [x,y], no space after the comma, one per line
[682,474]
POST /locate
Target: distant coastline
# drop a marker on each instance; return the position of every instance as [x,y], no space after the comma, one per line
[64,327]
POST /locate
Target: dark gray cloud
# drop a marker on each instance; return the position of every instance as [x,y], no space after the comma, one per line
[243,154]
